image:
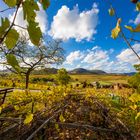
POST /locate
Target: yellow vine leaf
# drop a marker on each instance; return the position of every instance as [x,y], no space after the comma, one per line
[115,32]
[137,116]
[16,107]
[57,127]
[133,107]
[0,109]
[61,118]
[137,29]
[129,28]
[111,12]
[134,97]
[138,6]
[28,119]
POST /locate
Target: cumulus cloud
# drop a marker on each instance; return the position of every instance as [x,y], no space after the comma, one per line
[96,58]
[91,58]
[74,56]
[71,23]
[128,56]
[41,18]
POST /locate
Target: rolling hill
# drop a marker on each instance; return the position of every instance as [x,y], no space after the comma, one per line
[85,71]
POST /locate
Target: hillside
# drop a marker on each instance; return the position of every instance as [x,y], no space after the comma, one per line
[85,71]
[74,71]
[45,71]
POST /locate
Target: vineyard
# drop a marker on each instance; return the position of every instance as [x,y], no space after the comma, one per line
[44,81]
[70,113]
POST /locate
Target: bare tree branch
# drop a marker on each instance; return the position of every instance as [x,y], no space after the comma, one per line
[20,26]
[7,9]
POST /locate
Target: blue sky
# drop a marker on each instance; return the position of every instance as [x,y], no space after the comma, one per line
[115,53]
[85,28]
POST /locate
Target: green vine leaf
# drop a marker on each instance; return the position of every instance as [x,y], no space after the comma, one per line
[34,33]
[11,3]
[12,61]
[4,26]
[11,38]
[29,8]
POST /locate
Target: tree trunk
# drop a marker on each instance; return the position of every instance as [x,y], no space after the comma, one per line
[27,80]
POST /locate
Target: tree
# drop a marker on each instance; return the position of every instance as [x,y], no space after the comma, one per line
[9,35]
[137,67]
[30,58]
[63,76]
[134,81]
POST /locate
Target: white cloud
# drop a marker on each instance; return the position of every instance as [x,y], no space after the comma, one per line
[41,18]
[70,23]
[111,51]
[137,20]
[96,58]
[74,56]
[128,55]
[95,47]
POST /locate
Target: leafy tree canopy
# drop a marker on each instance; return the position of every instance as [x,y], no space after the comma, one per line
[63,76]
